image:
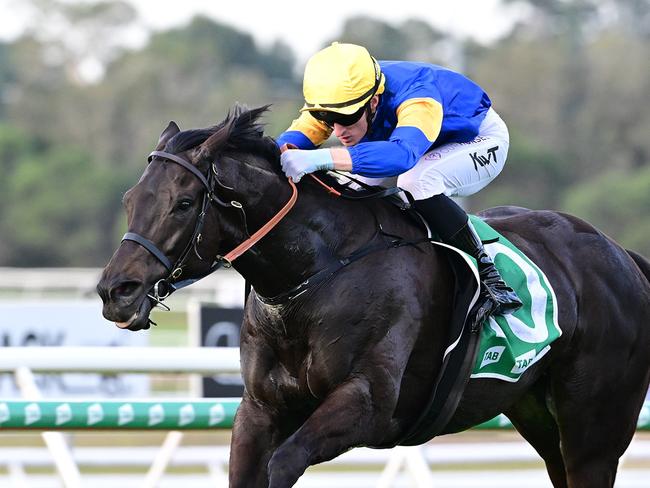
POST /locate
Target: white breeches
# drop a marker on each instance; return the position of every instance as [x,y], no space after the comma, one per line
[457,169]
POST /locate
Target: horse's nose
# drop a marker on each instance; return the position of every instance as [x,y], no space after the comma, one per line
[118,291]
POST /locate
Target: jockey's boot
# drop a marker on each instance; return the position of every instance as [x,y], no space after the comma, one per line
[504,297]
[451,223]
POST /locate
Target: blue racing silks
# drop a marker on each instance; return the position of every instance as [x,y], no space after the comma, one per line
[423,106]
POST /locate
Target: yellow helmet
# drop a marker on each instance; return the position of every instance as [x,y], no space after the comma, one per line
[341,78]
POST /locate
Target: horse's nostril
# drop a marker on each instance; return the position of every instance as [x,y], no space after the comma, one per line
[125,289]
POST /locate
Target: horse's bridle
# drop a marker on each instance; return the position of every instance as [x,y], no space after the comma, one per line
[166,286]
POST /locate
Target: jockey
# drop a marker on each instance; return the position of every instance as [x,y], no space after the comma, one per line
[432,128]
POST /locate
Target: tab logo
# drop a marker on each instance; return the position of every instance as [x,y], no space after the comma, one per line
[186,415]
[32,413]
[5,415]
[217,414]
[523,362]
[504,421]
[63,414]
[95,414]
[156,414]
[125,414]
[492,355]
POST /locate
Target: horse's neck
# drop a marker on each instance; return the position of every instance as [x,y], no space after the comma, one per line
[316,231]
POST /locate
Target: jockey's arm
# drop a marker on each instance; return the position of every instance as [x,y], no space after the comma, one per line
[305,132]
[419,121]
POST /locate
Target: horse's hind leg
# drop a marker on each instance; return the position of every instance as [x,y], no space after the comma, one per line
[592,443]
[533,420]
[597,413]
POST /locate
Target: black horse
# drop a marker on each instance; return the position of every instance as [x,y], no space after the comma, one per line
[351,360]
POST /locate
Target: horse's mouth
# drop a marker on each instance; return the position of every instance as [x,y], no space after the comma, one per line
[140,318]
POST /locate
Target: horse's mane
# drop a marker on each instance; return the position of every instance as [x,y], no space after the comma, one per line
[241,131]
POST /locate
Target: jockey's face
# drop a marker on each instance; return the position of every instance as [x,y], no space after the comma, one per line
[349,135]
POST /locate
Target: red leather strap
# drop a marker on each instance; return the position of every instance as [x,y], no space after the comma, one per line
[329,189]
[265,229]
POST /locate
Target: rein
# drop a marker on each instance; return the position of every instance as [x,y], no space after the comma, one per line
[166,286]
[265,229]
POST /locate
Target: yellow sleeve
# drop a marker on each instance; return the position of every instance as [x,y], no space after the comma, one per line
[315,130]
[422,113]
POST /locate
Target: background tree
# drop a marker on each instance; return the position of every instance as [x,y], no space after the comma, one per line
[566,80]
[410,40]
[616,201]
[83,36]
[57,209]
[572,80]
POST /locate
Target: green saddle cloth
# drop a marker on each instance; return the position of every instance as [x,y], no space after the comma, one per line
[510,344]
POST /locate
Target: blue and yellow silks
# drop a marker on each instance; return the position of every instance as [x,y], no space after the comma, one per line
[423,106]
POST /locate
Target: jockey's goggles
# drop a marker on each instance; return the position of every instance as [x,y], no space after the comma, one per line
[331,118]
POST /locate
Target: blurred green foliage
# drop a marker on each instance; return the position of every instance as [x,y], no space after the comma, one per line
[625,216]
[56,205]
[572,80]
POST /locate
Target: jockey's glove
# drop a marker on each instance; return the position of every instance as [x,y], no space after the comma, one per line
[296,163]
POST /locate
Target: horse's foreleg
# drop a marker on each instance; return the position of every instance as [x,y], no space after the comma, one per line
[345,419]
[254,438]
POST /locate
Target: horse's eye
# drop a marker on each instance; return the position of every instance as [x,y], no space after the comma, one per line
[184,205]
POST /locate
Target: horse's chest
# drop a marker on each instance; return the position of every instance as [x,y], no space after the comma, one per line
[296,380]
[290,365]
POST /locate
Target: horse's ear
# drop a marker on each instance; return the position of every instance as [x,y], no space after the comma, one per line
[215,142]
[171,130]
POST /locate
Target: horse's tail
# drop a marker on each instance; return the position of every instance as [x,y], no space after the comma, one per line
[641,262]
